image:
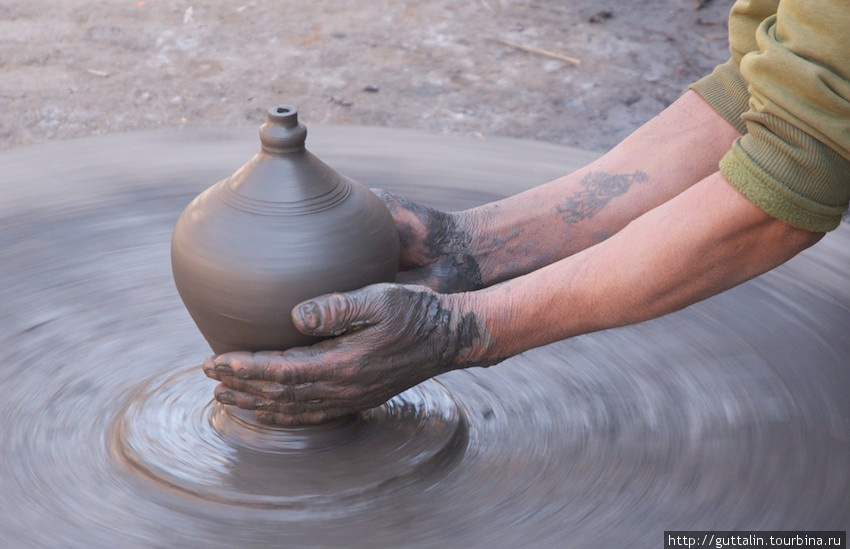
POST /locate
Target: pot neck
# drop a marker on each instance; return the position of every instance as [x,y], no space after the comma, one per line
[282,134]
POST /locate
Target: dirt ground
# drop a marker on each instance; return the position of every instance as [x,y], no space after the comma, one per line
[479,67]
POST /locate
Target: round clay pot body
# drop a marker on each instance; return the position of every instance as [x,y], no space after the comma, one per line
[283,228]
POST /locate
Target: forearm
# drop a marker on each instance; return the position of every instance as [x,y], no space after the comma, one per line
[702,242]
[666,155]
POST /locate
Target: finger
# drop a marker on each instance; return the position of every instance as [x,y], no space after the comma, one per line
[383,194]
[209,369]
[300,365]
[404,212]
[401,212]
[221,367]
[412,222]
[334,314]
[303,418]
[391,201]
[226,364]
[247,401]
[272,390]
[237,398]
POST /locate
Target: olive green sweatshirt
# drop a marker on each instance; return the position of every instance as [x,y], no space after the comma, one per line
[786,87]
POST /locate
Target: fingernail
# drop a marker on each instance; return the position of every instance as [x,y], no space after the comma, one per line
[224,369]
[226,398]
[310,315]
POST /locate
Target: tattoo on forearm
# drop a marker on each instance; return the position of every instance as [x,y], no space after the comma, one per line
[599,189]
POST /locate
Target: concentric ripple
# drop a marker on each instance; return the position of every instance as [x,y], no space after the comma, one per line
[731,414]
[175,434]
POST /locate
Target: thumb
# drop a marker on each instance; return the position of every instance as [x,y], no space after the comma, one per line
[334,314]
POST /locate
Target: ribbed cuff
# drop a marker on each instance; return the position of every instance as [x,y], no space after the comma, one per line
[726,91]
[789,174]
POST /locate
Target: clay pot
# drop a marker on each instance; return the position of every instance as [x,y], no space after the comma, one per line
[283,228]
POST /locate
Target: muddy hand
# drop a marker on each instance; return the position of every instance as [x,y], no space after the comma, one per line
[435,249]
[393,337]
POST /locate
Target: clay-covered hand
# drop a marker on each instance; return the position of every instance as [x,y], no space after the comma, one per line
[435,246]
[392,338]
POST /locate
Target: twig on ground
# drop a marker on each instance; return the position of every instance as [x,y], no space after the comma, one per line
[538,51]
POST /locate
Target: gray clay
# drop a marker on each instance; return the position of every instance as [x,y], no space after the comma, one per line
[283,228]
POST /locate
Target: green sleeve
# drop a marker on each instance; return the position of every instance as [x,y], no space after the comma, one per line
[794,161]
[725,89]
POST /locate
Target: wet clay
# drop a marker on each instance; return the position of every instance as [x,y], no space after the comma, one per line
[283,228]
[731,414]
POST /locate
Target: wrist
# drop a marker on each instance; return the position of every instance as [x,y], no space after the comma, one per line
[470,331]
[457,244]
[495,242]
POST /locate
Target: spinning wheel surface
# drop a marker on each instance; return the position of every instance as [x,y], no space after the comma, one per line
[731,414]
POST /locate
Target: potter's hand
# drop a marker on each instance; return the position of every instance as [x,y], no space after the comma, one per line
[393,337]
[434,246]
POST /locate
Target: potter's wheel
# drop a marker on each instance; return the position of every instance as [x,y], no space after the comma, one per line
[732,414]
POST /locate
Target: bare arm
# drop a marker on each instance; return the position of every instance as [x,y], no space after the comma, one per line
[473,249]
[700,243]
[668,154]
